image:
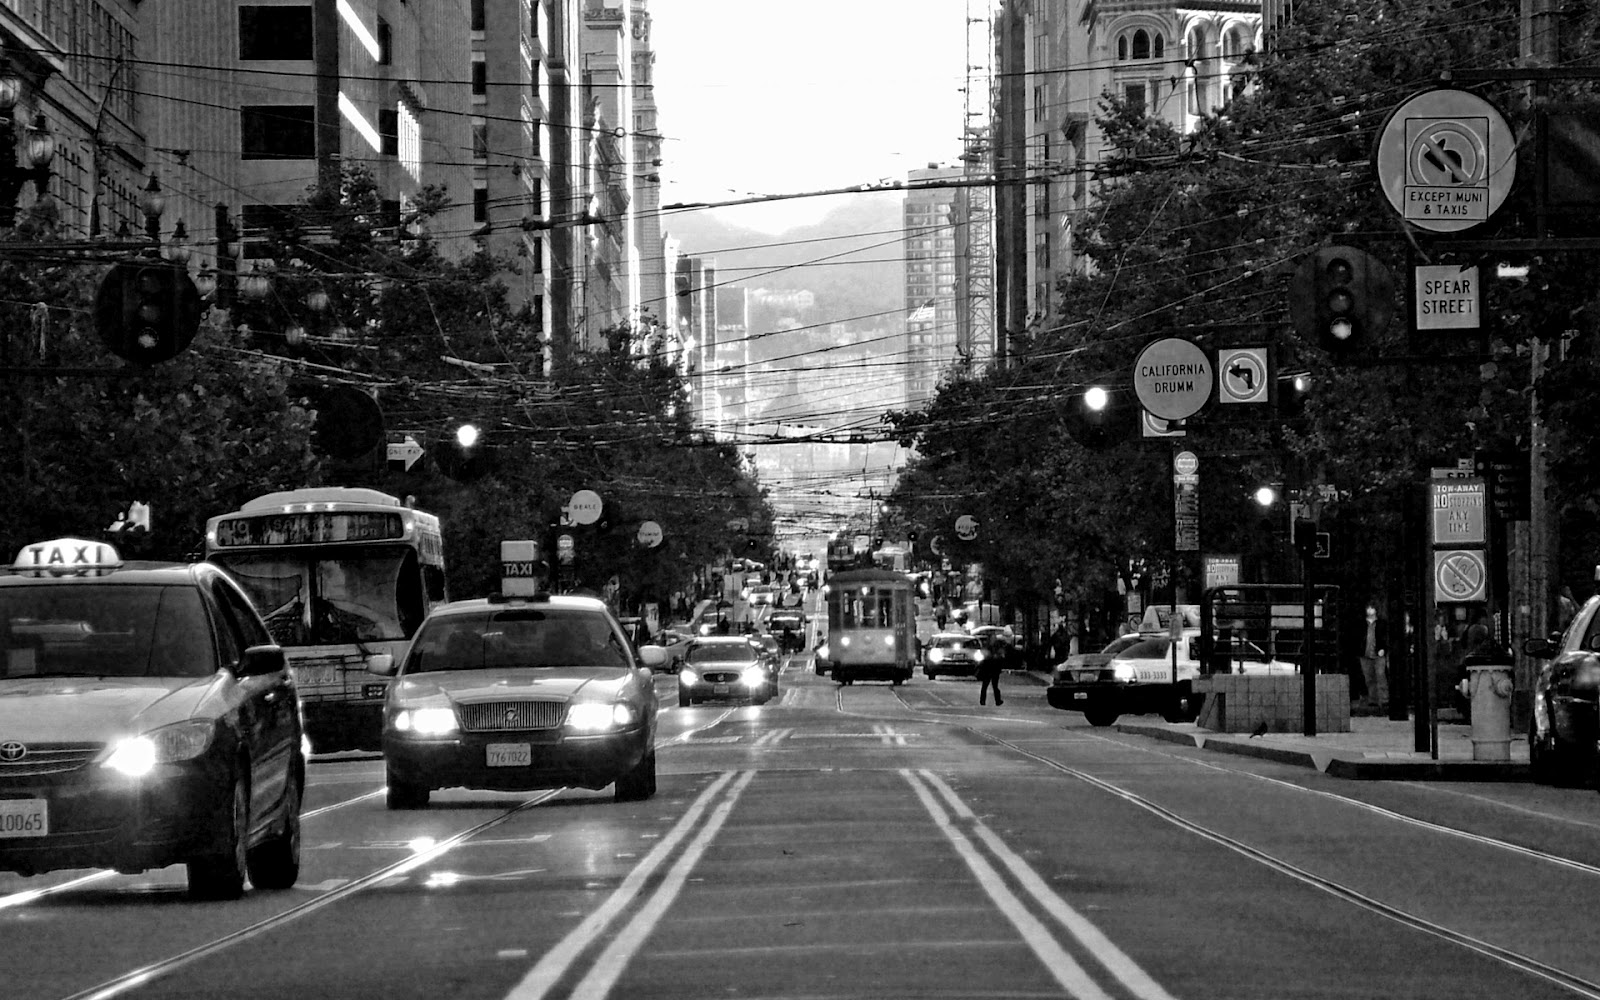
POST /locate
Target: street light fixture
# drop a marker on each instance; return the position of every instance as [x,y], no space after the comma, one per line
[178,248]
[40,147]
[152,203]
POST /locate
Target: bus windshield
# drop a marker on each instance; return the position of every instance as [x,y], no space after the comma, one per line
[365,594]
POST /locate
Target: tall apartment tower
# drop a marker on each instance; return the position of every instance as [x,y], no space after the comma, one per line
[249,103]
[934,341]
[608,86]
[649,251]
[1179,61]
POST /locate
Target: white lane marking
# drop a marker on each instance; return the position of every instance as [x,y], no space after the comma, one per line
[555,962]
[607,969]
[1116,961]
[1062,966]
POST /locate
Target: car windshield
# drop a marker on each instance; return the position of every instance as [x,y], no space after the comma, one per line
[1146,649]
[365,594]
[104,630]
[517,638]
[731,652]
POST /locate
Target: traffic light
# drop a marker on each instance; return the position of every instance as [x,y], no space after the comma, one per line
[1342,299]
[147,311]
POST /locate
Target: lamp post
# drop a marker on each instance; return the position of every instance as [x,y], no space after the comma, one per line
[152,203]
[40,148]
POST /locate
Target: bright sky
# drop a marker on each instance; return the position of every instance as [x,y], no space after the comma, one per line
[757,97]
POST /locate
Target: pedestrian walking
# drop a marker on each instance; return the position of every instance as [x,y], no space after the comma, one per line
[989,677]
[1375,660]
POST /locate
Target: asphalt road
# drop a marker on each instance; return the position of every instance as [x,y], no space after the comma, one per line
[869,842]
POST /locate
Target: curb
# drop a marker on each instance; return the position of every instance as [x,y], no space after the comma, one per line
[1341,767]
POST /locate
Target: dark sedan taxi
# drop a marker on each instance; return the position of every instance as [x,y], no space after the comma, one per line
[517,694]
[146,719]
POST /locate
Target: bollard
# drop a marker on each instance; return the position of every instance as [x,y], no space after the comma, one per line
[1489,687]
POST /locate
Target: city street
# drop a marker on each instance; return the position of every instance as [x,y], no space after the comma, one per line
[870,841]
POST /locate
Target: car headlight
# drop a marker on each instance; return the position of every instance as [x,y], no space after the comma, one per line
[753,677]
[1123,671]
[595,717]
[139,755]
[978,656]
[687,676]
[822,652]
[935,655]
[426,721]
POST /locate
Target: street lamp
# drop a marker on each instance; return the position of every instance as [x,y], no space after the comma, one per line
[178,249]
[39,147]
[152,203]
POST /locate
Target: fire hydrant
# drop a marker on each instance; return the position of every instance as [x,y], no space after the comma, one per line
[1489,686]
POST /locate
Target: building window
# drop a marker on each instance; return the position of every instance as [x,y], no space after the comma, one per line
[385,43]
[480,204]
[275,32]
[480,78]
[1038,104]
[278,131]
[480,140]
[1160,46]
[389,132]
[1141,44]
[1041,250]
[1133,94]
[477,15]
[1122,48]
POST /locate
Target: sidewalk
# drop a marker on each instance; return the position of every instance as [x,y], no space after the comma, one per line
[1376,748]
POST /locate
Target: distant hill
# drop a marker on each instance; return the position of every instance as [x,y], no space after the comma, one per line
[851,261]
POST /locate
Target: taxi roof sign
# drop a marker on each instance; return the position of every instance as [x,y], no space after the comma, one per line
[67,557]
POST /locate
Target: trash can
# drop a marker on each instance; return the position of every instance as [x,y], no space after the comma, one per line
[1489,690]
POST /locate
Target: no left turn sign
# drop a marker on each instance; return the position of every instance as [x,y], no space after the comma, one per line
[1242,375]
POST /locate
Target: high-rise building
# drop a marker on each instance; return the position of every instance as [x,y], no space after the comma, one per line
[934,341]
[1056,60]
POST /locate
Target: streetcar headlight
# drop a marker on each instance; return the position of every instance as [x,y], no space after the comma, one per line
[426,721]
[844,641]
[888,640]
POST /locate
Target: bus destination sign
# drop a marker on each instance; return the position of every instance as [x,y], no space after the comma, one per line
[309,528]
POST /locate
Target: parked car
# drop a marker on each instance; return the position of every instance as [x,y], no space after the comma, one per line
[726,668]
[516,694]
[1564,722]
[147,718]
[953,654]
[1138,674]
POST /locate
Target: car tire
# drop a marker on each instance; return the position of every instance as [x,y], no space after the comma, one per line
[929,674]
[403,794]
[275,862]
[898,681]
[221,875]
[639,783]
[1100,718]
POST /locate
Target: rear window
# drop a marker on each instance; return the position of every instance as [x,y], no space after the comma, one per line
[104,630]
[958,643]
[517,638]
[729,653]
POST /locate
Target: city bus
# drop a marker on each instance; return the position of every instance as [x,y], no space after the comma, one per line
[343,577]
[872,626]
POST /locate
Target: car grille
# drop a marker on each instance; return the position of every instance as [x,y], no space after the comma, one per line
[491,716]
[720,676]
[49,758]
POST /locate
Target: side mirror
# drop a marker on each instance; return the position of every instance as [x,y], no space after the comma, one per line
[259,661]
[1542,649]
[382,664]
[654,657]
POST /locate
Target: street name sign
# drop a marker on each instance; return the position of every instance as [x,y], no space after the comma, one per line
[1173,378]
[1446,160]
[1448,297]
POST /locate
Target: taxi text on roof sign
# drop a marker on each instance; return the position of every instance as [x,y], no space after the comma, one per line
[67,557]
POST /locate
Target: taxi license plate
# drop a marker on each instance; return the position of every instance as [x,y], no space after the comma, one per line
[719,689]
[509,754]
[317,676]
[1080,695]
[24,818]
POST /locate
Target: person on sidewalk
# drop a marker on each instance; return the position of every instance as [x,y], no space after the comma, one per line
[1375,660]
[989,676]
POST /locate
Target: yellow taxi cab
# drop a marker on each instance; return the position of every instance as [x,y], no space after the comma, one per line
[515,694]
[146,719]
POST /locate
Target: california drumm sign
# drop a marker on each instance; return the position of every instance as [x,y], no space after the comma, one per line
[1173,378]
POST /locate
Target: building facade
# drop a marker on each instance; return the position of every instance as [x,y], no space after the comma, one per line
[935,344]
[1057,59]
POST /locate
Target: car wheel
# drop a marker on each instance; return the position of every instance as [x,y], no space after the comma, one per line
[898,681]
[404,795]
[275,862]
[221,875]
[1100,717]
[1541,760]
[640,782]
[1185,708]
